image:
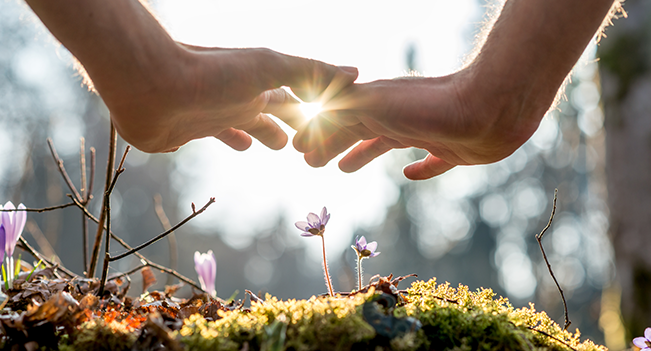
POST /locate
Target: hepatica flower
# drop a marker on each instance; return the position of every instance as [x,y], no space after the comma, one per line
[315,226]
[363,250]
[206,268]
[13,223]
[644,342]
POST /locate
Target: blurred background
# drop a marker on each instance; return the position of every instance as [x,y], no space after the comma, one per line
[473,225]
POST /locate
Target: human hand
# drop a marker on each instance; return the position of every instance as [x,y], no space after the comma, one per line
[447,116]
[162,94]
[219,92]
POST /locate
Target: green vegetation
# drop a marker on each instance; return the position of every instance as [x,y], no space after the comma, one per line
[452,319]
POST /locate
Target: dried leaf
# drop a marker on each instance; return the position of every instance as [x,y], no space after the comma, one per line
[148,278]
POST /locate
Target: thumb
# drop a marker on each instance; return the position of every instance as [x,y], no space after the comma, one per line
[430,166]
[310,79]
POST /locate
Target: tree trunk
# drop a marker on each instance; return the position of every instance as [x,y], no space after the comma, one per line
[625,62]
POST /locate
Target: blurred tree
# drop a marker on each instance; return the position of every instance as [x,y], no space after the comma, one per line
[625,62]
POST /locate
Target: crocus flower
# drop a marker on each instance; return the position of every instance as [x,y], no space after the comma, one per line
[315,225]
[14,223]
[365,250]
[644,342]
[206,268]
[2,242]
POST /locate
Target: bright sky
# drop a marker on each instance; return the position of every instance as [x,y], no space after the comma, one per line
[253,187]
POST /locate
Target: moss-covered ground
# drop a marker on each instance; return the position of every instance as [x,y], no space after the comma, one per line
[450,319]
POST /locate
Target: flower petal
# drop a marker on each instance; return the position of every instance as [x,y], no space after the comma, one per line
[302,225]
[306,234]
[314,220]
[324,216]
[362,242]
[20,218]
[640,342]
[647,333]
[372,246]
[374,254]
[3,237]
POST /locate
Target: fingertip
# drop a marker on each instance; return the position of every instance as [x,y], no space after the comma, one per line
[350,71]
[426,168]
[312,162]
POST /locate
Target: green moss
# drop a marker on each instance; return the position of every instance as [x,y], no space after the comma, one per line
[98,335]
[452,319]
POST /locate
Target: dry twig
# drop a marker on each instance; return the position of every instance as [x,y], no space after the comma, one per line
[167,232]
[94,257]
[107,206]
[549,266]
[120,241]
[171,239]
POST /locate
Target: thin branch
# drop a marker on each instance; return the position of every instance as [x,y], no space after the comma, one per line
[84,196]
[167,232]
[171,239]
[120,241]
[41,240]
[62,169]
[552,337]
[27,247]
[549,266]
[135,270]
[89,194]
[110,163]
[39,210]
[107,206]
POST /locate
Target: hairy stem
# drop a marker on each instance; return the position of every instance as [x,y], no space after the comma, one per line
[359,273]
[325,268]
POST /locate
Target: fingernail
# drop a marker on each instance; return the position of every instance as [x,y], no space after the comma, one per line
[349,70]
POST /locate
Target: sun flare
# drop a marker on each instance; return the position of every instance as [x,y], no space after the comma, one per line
[310,109]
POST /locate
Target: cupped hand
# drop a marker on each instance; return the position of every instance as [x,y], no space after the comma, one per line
[216,92]
[456,122]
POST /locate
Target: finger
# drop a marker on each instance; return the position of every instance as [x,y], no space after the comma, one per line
[322,84]
[263,128]
[318,129]
[366,152]
[284,106]
[236,139]
[429,167]
[338,143]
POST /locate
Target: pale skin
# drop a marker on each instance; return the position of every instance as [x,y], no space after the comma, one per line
[162,94]
[479,115]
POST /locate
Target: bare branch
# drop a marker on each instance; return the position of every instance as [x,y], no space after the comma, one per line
[120,241]
[94,258]
[552,337]
[162,235]
[62,169]
[89,194]
[27,247]
[127,273]
[171,239]
[549,266]
[107,206]
[84,196]
[39,210]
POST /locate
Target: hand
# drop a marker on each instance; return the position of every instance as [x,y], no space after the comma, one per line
[218,92]
[162,94]
[445,116]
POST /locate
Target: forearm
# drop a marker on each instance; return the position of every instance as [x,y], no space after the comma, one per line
[532,47]
[118,41]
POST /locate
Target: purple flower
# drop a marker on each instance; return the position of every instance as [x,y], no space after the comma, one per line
[206,268]
[315,225]
[14,223]
[3,237]
[365,250]
[644,342]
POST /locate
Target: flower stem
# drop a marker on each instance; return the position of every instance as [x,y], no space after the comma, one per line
[325,268]
[359,273]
